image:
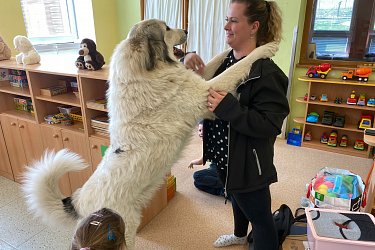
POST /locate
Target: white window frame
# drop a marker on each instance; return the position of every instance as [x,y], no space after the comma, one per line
[74,27]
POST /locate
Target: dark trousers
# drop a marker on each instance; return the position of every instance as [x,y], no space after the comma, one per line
[255,207]
[208,181]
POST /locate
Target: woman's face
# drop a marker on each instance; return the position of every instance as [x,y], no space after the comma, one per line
[238,31]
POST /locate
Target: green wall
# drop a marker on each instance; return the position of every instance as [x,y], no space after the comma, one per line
[11,22]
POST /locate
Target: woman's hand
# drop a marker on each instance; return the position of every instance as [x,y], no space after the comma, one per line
[194,62]
[214,98]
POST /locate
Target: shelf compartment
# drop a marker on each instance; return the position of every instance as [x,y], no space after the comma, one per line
[6,88]
[67,99]
[348,127]
[349,150]
[22,115]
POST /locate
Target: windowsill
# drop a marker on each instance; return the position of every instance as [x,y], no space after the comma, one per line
[71,54]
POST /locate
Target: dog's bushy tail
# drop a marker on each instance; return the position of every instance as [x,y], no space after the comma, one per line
[41,187]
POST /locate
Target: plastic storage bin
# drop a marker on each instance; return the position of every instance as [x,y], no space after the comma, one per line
[327,229]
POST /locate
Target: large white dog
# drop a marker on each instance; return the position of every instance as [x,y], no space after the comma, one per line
[154,103]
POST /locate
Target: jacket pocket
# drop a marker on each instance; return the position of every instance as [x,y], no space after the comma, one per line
[257,161]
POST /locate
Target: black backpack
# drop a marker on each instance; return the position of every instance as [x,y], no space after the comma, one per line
[284,219]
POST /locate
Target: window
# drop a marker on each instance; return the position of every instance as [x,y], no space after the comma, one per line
[341,30]
[53,24]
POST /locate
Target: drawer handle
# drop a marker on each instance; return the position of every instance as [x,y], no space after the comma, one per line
[12,124]
[55,136]
[94,147]
[66,139]
[21,126]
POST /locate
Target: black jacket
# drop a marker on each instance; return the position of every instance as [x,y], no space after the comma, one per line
[255,120]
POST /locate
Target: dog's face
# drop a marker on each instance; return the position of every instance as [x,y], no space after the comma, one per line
[156,40]
[22,44]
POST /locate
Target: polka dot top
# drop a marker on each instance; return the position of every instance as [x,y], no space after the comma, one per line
[216,131]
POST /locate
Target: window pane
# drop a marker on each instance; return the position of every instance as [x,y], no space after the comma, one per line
[335,15]
[331,47]
[53,20]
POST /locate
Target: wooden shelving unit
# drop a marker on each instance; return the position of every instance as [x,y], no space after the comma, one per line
[335,88]
[24,136]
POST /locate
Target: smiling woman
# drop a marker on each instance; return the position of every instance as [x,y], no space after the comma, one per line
[339,30]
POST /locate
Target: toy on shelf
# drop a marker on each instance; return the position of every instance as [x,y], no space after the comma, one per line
[312,98]
[308,136]
[306,97]
[312,117]
[359,144]
[332,140]
[365,122]
[361,100]
[344,141]
[324,138]
[89,57]
[371,102]
[328,117]
[339,121]
[323,98]
[319,71]
[5,52]
[28,54]
[362,74]
[338,100]
[352,100]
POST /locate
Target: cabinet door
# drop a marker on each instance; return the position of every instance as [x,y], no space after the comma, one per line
[96,145]
[52,140]
[78,143]
[5,168]
[31,140]
[13,141]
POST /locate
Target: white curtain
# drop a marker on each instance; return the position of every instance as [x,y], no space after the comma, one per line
[206,27]
[169,11]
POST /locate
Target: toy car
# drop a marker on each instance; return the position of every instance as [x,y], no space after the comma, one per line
[351,99]
[324,138]
[324,98]
[365,122]
[332,140]
[308,136]
[359,144]
[371,102]
[344,141]
[338,100]
[361,100]
[305,97]
[312,117]
[312,97]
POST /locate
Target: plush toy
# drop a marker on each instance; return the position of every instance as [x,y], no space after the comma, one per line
[5,52]
[89,57]
[28,53]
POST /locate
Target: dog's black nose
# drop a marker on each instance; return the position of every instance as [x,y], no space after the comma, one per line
[186,32]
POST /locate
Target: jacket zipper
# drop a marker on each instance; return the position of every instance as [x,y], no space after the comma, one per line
[242,83]
[257,160]
[226,177]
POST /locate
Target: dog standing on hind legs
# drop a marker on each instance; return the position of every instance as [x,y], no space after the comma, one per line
[154,103]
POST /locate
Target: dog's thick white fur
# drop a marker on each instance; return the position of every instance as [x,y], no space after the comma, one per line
[28,54]
[154,103]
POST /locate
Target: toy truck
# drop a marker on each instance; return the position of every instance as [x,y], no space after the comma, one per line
[361,74]
[319,71]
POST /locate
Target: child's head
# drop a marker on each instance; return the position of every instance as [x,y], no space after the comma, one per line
[200,129]
[102,230]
